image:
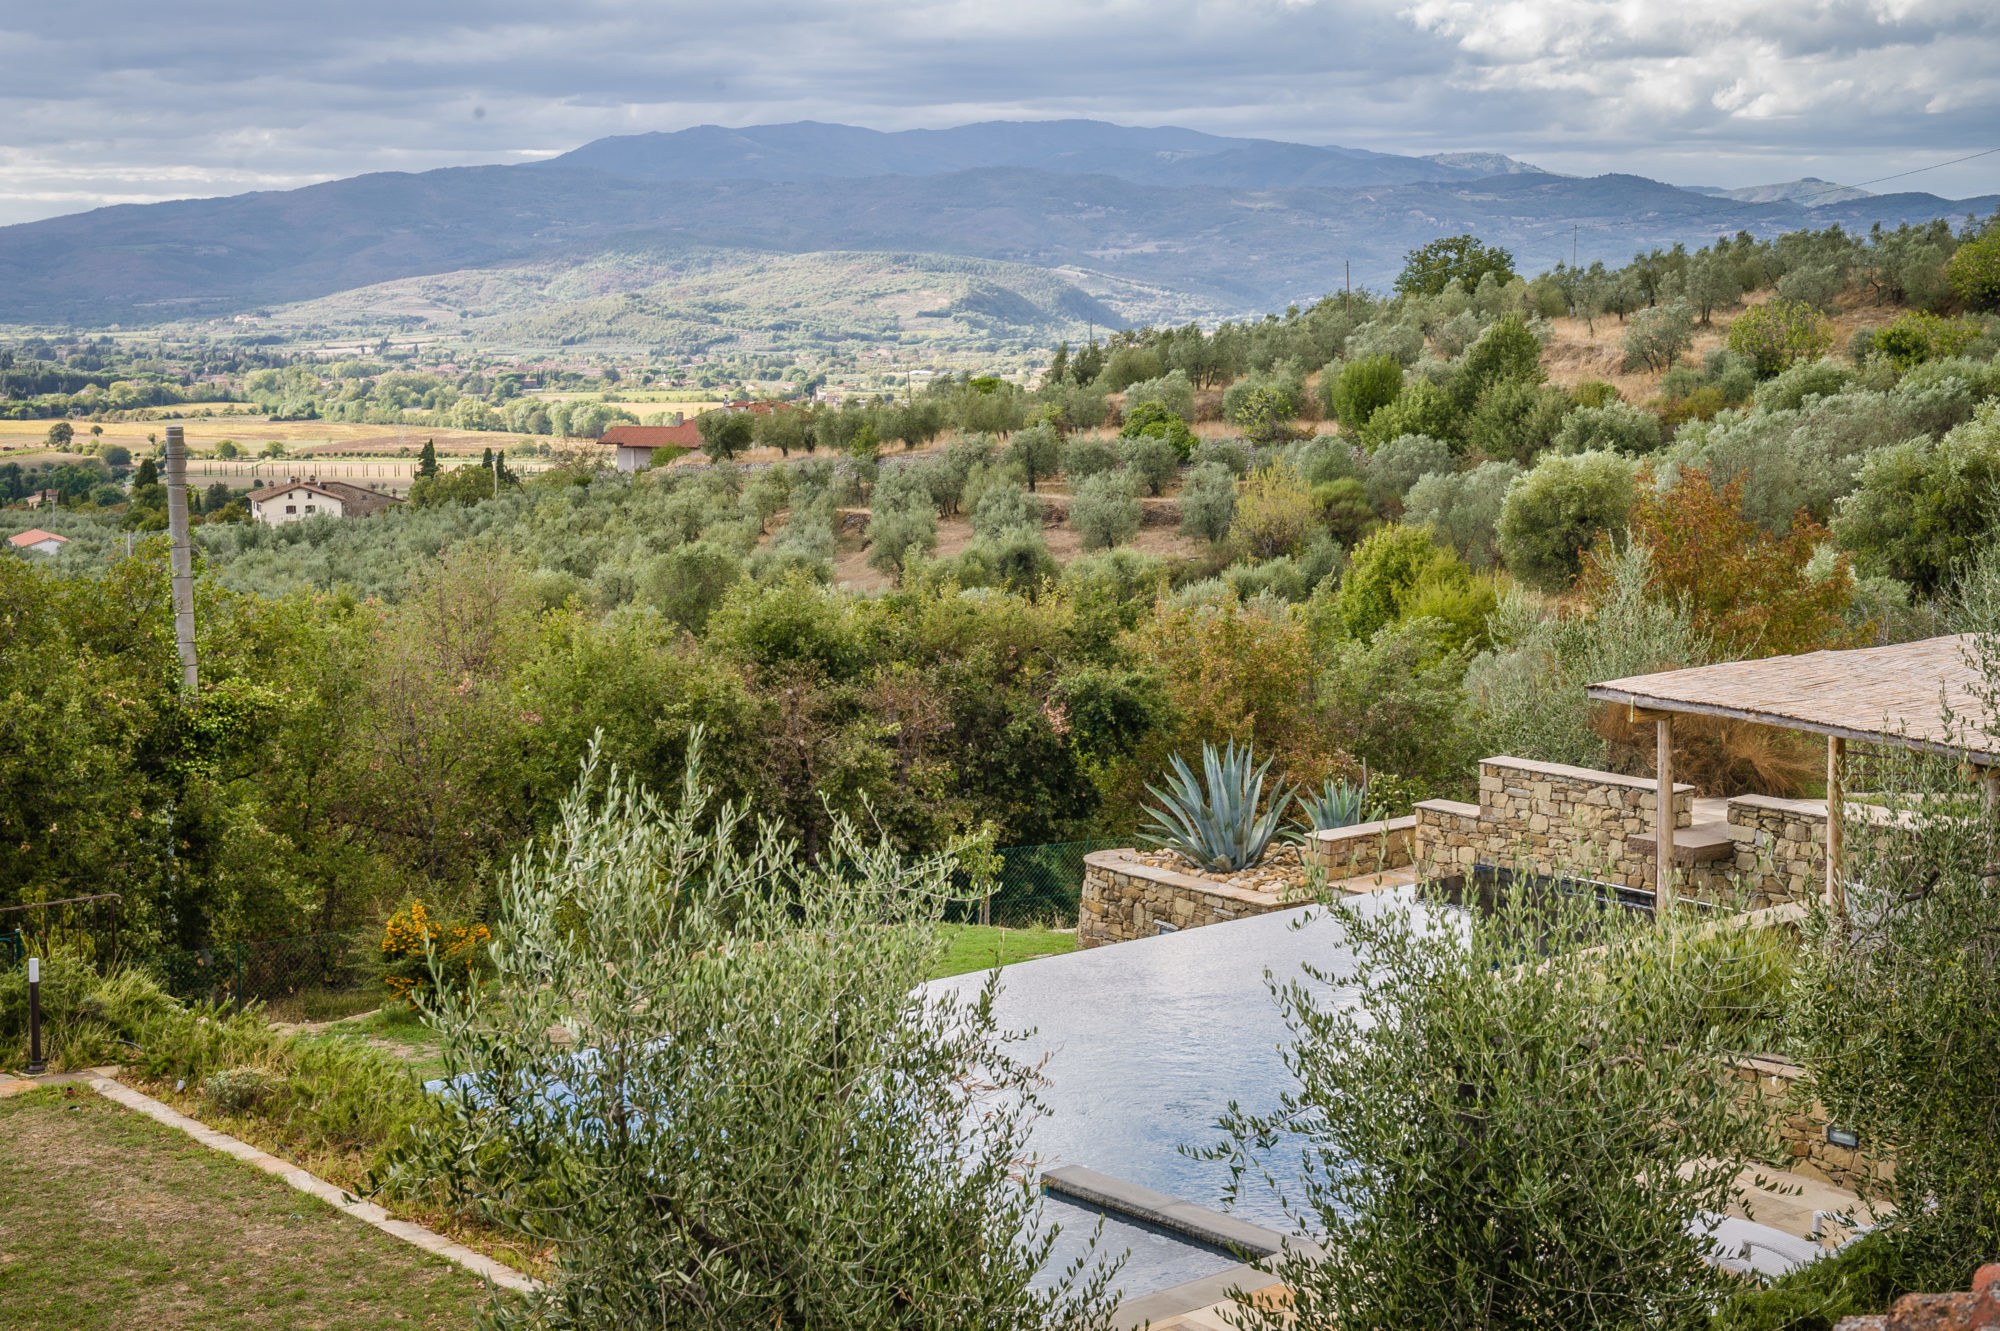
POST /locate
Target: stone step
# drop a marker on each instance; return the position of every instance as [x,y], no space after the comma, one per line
[1692,845]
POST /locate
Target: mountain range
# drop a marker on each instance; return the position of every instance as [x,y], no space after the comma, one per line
[1008,230]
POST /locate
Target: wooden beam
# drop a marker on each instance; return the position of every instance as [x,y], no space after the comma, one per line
[1836,824]
[1663,822]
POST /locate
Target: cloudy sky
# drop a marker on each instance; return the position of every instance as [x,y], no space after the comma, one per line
[137,102]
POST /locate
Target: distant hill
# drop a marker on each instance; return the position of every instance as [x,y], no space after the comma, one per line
[1809,190]
[1141,223]
[644,291]
[808,150]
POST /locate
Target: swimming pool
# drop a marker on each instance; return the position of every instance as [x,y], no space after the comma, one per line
[1148,1042]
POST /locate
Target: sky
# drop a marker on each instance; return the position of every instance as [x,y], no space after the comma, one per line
[123,102]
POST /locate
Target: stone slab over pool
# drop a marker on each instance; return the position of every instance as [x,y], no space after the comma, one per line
[1149,1041]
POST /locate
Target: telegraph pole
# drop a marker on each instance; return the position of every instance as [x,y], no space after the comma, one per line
[182,558]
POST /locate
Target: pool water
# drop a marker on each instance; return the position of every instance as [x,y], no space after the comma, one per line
[1147,1043]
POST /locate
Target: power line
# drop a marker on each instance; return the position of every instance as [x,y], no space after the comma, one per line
[1900,174]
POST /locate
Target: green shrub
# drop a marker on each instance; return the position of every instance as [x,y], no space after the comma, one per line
[1208,502]
[851,1163]
[1399,464]
[1150,419]
[1556,511]
[1463,508]
[237,1090]
[1387,573]
[1808,378]
[1085,455]
[1421,408]
[1922,508]
[1484,1118]
[1516,419]
[1916,337]
[1779,334]
[1508,351]
[1104,511]
[1614,428]
[1152,462]
[1974,270]
[1172,391]
[1360,389]
[1127,366]
[688,582]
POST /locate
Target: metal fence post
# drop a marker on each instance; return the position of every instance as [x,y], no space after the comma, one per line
[240,950]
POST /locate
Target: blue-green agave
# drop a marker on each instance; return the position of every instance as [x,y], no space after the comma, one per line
[1217,828]
[1336,804]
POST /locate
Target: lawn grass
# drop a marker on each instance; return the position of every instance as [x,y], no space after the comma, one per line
[979,947]
[112,1221]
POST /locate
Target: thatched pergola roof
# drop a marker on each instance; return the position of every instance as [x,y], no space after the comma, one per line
[1920,695]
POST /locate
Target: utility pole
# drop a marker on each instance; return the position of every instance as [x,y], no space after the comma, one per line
[182,558]
[1348,299]
[1573,229]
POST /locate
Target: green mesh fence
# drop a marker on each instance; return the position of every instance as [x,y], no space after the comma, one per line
[1037,885]
[311,977]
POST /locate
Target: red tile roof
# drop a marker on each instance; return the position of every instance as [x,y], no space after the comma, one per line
[684,435]
[34,536]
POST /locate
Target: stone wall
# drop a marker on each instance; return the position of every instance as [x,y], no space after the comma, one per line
[1780,847]
[1544,817]
[1771,1087]
[1124,899]
[1365,848]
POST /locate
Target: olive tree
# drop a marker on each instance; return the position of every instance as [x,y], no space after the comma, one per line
[1553,513]
[1208,502]
[1105,512]
[1498,1136]
[1655,338]
[706,1075]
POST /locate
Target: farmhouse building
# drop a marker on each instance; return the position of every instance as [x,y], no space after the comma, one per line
[636,443]
[295,500]
[38,541]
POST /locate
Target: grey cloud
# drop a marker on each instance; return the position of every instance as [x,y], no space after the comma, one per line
[146,102]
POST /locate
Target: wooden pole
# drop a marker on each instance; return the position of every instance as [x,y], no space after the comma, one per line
[181,559]
[1663,822]
[1836,819]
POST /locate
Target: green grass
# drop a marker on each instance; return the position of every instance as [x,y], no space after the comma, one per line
[112,1220]
[978,947]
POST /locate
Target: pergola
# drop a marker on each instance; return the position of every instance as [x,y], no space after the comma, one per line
[1924,695]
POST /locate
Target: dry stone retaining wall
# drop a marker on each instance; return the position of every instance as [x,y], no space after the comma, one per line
[1124,899]
[1544,817]
[1771,1087]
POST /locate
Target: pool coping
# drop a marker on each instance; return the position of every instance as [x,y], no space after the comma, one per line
[1211,1228]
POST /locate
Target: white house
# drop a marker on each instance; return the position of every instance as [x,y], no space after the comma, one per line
[39,541]
[296,500]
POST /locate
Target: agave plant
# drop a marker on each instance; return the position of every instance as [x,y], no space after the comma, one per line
[1336,804]
[1219,827]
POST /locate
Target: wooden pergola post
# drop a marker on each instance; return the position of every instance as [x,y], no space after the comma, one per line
[1836,819]
[1663,821]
